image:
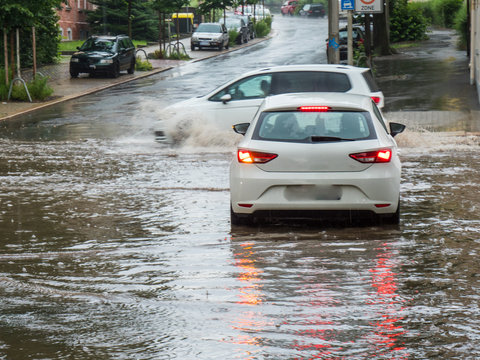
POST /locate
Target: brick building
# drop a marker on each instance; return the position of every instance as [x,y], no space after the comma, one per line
[73,19]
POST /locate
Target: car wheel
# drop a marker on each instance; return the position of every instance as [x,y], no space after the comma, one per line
[116,70]
[73,74]
[131,69]
[220,47]
[227,46]
[192,47]
[235,219]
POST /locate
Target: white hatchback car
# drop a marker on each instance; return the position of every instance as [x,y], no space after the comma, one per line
[238,100]
[314,155]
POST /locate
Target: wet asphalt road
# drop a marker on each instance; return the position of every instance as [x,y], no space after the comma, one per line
[116,247]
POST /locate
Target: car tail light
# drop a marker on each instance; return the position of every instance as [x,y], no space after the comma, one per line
[314,108]
[254,157]
[370,157]
[376,99]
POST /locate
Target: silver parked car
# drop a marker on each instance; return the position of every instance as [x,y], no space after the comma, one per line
[210,35]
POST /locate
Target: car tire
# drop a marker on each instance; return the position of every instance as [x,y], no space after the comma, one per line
[235,219]
[220,47]
[73,74]
[116,70]
[228,45]
[131,69]
[192,48]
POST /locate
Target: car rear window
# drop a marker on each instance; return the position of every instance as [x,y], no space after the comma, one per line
[372,85]
[309,81]
[314,126]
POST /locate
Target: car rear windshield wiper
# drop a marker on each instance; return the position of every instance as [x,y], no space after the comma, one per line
[315,138]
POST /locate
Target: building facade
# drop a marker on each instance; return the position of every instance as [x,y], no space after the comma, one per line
[73,19]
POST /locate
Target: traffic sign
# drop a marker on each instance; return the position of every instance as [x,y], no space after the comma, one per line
[369,6]
[348,5]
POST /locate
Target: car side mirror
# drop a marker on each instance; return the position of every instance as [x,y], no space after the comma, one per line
[226,98]
[396,128]
[241,128]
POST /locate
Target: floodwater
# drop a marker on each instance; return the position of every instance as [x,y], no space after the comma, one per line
[117,247]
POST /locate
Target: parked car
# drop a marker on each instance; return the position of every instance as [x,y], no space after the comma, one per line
[210,35]
[313,10]
[248,21]
[104,54]
[358,38]
[239,99]
[288,7]
[238,25]
[316,155]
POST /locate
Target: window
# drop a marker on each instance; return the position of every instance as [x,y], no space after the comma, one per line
[367,75]
[69,34]
[309,81]
[314,126]
[253,87]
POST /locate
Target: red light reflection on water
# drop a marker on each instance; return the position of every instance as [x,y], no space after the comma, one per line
[385,338]
[251,293]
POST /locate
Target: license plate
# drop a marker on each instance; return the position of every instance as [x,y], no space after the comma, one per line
[93,67]
[312,192]
[204,43]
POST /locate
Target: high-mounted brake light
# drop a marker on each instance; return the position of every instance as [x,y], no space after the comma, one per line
[370,157]
[314,108]
[254,157]
[376,99]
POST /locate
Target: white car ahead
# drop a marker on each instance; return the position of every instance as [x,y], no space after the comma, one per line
[314,155]
[238,100]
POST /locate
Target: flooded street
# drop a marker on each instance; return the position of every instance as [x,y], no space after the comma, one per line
[118,247]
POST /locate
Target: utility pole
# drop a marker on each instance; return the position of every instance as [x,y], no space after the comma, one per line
[333,54]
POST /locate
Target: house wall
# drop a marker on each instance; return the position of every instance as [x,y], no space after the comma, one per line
[73,19]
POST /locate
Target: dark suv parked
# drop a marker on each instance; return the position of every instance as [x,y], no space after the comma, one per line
[104,54]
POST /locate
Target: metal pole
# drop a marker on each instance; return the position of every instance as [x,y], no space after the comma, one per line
[349,38]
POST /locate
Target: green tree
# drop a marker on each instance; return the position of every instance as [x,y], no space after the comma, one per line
[137,17]
[23,15]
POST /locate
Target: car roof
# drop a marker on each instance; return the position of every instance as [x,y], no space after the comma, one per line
[310,67]
[292,101]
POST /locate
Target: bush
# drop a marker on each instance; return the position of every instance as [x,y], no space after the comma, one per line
[407,23]
[261,28]
[141,65]
[232,34]
[39,89]
[461,25]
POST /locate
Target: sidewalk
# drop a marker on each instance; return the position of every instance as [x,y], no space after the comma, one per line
[67,88]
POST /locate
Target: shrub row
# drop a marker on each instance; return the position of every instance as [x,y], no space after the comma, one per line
[38,89]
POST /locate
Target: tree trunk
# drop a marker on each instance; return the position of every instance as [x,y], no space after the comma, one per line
[129,17]
[381,42]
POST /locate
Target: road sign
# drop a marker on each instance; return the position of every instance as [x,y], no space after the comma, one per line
[369,6]
[348,5]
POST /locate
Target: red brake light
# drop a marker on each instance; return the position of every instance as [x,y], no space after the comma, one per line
[370,157]
[314,108]
[254,157]
[376,99]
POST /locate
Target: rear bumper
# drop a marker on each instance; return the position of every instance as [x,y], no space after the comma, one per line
[375,190]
